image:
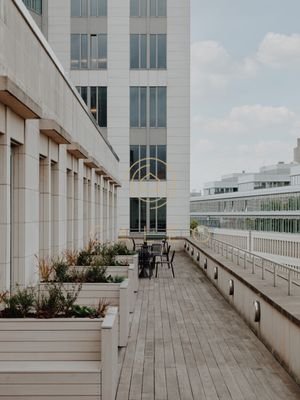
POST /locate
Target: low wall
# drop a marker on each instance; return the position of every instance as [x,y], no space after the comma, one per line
[277,327]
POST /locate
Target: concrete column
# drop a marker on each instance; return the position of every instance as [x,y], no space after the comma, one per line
[101,222]
[108,223]
[26,204]
[45,207]
[5,220]
[80,205]
[70,210]
[113,236]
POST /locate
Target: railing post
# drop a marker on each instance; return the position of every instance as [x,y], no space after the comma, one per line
[245,259]
[232,254]
[226,251]
[275,275]
[263,269]
[238,258]
[289,282]
[253,265]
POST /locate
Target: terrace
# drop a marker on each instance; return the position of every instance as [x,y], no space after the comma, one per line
[187,342]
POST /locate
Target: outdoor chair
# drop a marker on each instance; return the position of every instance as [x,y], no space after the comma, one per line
[169,263]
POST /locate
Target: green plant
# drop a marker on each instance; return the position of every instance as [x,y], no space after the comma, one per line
[61,269]
[85,258]
[95,274]
[56,301]
[194,224]
[115,279]
[18,305]
[120,249]
[71,257]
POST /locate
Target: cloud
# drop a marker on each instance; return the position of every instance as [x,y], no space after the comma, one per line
[279,51]
[213,67]
[247,119]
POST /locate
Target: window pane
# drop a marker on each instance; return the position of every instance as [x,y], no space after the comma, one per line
[93,8]
[143,161]
[143,8]
[134,165]
[84,8]
[84,51]
[152,107]
[143,222]
[75,8]
[161,215]
[75,51]
[134,107]
[83,92]
[153,8]
[143,107]
[162,107]
[134,51]
[102,8]
[102,51]
[143,48]
[162,51]
[161,8]
[102,106]
[94,52]
[153,216]
[134,214]
[153,173]
[134,8]
[161,166]
[153,63]
[94,102]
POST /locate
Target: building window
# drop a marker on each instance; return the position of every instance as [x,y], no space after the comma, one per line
[158,51]
[85,8]
[139,58]
[148,214]
[158,107]
[34,5]
[158,160]
[95,98]
[158,8]
[138,162]
[138,8]
[138,51]
[138,107]
[88,51]
[142,99]
[143,8]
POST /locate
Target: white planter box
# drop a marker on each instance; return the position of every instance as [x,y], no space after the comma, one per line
[133,259]
[127,271]
[116,294]
[72,357]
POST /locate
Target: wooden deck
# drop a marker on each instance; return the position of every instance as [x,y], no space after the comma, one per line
[186,342]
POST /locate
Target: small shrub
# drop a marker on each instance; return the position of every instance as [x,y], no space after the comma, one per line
[71,257]
[95,274]
[116,279]
[61,269]
[18,305]
[45,268]
[85,258]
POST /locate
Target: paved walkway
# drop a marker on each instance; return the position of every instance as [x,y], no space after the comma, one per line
[187,343]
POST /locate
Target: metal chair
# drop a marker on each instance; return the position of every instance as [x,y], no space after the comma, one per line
[145,270]
[166,252]
[169,263]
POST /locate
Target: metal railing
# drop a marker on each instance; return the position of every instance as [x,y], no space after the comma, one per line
[253,261]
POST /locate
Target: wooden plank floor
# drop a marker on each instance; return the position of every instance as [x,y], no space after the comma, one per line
[186,342]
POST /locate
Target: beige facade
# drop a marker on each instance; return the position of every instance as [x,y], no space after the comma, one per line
[59,175]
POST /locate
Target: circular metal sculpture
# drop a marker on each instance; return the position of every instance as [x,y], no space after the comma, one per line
[231,287]
[256,311]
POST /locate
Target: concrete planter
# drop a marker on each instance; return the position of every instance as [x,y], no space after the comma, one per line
[127,271]
[133,259]
[57,358]
[116,294]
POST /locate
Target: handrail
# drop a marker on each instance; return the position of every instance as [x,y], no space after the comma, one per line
[234,251]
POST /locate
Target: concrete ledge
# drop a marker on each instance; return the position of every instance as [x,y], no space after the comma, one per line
[17,100]
[91,163]
[77,151]
[54,131]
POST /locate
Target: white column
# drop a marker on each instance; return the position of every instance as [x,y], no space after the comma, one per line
[101,223]
[45,208]
[108,223]
[4,207]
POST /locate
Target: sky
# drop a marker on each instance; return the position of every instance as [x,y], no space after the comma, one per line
[245,85]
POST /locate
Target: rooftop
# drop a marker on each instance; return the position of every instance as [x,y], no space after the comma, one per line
[187,342]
